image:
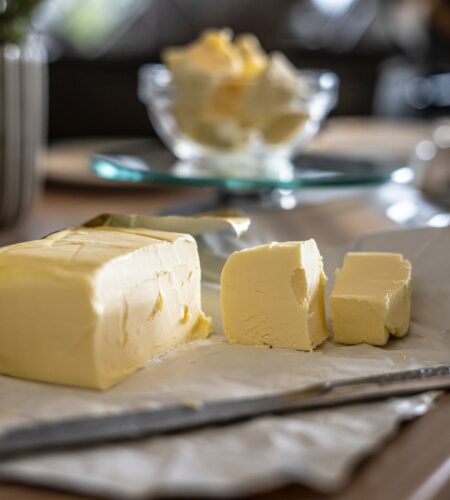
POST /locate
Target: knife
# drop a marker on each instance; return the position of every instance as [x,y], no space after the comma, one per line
[137,424]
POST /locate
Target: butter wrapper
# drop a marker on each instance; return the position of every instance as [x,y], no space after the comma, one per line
[318,449]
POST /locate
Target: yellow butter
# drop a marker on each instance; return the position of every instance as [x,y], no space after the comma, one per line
[220,133]
[213,55]
[198,70]
[371,298]
[273,93]
[284,127]
[226,90]
[88,306]
[253,56]
[274,295]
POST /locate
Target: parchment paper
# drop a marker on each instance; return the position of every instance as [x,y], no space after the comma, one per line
[318,449]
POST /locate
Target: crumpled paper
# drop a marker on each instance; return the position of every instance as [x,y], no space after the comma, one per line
[318,449]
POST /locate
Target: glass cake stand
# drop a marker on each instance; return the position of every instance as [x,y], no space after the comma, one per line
[147,161]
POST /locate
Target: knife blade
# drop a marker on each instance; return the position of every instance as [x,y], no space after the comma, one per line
[145,423]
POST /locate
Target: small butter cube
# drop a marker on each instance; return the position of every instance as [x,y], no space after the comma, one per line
[371,298]
[221,133]
[284,127]
[88,306]
[274,91]
[213,55]
[274,295]
[252,54]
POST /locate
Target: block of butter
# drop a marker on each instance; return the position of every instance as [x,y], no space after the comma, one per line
[371,298]
[88,306]
[274,295]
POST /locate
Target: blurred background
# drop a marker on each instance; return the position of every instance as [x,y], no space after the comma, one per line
[392,56]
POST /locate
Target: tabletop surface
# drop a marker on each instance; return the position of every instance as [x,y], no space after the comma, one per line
[415,463]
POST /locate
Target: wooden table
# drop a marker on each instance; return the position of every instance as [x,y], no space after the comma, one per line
[414,465]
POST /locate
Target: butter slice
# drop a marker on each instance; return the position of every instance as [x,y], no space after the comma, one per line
[274,295]
[371,298]
[88,306]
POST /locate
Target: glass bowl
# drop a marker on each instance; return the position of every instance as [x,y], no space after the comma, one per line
[249,125]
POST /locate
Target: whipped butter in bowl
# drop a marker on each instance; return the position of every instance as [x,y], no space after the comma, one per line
[224,98]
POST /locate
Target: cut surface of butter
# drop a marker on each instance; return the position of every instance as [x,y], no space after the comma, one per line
[371,298]
[88,306]
[274,295]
